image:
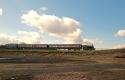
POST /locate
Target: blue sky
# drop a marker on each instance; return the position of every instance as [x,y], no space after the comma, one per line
[99,20]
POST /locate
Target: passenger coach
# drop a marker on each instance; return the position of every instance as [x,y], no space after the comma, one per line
[50,46]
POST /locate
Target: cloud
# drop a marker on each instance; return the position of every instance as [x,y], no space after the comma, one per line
[22,36]
[121,33]
[120,46]
[88,42]
[65,28]
[92,41]
[5,39]
[43,8]
[1,12]
[29,37]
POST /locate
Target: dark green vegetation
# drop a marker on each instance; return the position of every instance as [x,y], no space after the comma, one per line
[62,65]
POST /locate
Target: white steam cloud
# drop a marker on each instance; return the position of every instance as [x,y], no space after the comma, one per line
[66,28]
[92,41]
[22,37]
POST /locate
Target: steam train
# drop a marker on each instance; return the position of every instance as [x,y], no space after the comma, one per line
[49,46]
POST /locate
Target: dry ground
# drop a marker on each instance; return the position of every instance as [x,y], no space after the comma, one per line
[62,65]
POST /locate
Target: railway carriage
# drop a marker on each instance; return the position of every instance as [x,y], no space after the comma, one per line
[32,46]
[65,46]
[50,46]
[11,46]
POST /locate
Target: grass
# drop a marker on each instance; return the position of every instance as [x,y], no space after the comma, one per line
[62,65]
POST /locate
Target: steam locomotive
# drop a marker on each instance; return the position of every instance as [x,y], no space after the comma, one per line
[49,46]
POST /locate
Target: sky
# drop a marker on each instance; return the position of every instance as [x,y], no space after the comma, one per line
[98,22]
